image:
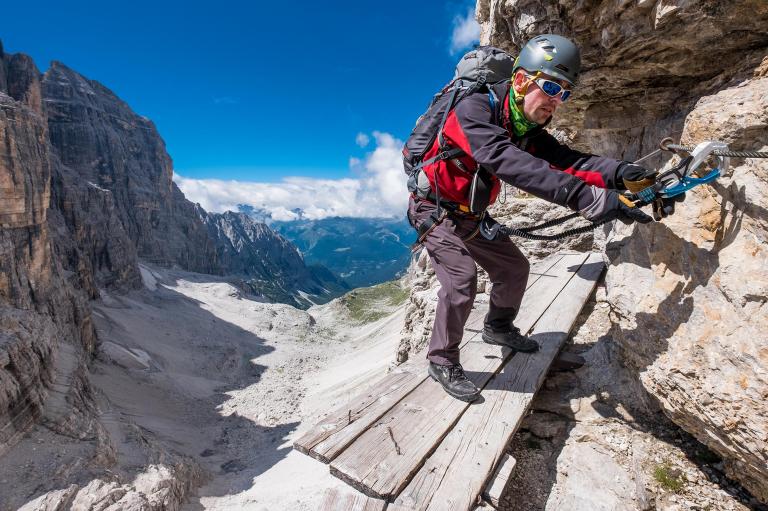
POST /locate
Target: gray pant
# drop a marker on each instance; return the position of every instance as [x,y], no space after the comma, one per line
[454,264]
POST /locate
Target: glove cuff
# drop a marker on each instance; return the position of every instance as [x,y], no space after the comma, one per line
[636,186]
[639,177]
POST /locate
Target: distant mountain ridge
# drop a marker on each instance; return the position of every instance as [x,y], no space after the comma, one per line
[362,251]
[86,192]
[270,264]
[111,172]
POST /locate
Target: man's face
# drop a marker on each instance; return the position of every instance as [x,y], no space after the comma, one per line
[538,106]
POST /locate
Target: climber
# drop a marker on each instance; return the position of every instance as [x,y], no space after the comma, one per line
[499,132]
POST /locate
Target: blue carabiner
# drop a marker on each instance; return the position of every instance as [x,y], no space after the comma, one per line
[686,183]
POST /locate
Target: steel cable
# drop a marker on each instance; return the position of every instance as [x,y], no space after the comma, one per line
[732,154]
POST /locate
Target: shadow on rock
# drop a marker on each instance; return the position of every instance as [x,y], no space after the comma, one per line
[185,400]
[585,443]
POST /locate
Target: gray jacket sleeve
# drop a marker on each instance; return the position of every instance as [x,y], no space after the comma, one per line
[471,127]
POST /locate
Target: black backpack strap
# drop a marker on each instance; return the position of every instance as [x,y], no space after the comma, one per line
[451,102]
[442,155]
[441,146]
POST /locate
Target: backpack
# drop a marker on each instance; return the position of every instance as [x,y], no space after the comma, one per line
[475,71]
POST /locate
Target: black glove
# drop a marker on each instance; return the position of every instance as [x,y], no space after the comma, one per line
[636,177]
[611,205]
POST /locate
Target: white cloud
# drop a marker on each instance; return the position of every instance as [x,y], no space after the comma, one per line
[466,32]
[362,139]
[377,190]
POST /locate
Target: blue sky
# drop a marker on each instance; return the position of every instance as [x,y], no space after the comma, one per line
[251,91]
[256,99]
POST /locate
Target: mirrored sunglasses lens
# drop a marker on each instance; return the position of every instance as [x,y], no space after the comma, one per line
[551,88]
[566,95]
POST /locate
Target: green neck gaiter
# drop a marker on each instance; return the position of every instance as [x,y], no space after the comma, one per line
[520,125]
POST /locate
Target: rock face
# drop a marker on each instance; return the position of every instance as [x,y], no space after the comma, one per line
[46,324]
[694,320]
[85,192]
[114,201]
[689,293]
[113,183]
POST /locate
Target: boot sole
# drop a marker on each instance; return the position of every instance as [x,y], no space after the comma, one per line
[466,398]
[488,340]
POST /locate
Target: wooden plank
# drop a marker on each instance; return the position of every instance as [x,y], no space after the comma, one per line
[336,499]
[384,458]
[480,437]
[334,434]
[499,480]
[342,426]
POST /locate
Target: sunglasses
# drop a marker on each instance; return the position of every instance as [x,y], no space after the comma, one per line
[551,88]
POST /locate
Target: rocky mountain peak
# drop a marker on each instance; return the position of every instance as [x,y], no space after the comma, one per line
[20,78]
[270,264]
[63,82]
[86,192]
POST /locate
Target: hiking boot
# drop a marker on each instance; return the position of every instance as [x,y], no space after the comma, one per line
[454,381]
[510,338]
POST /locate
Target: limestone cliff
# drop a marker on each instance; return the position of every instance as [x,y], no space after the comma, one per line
[46,323]
[114,201]
[86,191]
[113,183]
[694,320]
[687,294]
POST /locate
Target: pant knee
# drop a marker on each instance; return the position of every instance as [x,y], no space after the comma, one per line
[460,291]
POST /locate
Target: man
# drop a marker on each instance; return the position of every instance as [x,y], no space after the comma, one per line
[501,134]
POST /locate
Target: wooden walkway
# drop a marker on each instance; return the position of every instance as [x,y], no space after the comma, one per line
[405,444]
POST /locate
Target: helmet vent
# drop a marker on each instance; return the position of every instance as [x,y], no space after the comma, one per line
[562,68]
[546,45]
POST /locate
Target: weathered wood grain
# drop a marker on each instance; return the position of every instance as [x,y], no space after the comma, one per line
[384,458]
[342,426]
[480,436]
[336,499]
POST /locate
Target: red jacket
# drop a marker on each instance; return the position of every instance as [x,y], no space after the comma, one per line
[535,163]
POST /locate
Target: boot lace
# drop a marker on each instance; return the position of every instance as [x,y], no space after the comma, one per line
[456,373]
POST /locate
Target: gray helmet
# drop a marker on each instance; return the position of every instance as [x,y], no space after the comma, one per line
[551,54]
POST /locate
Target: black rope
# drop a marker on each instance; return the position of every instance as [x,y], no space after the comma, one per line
[550,223]
[525,231]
